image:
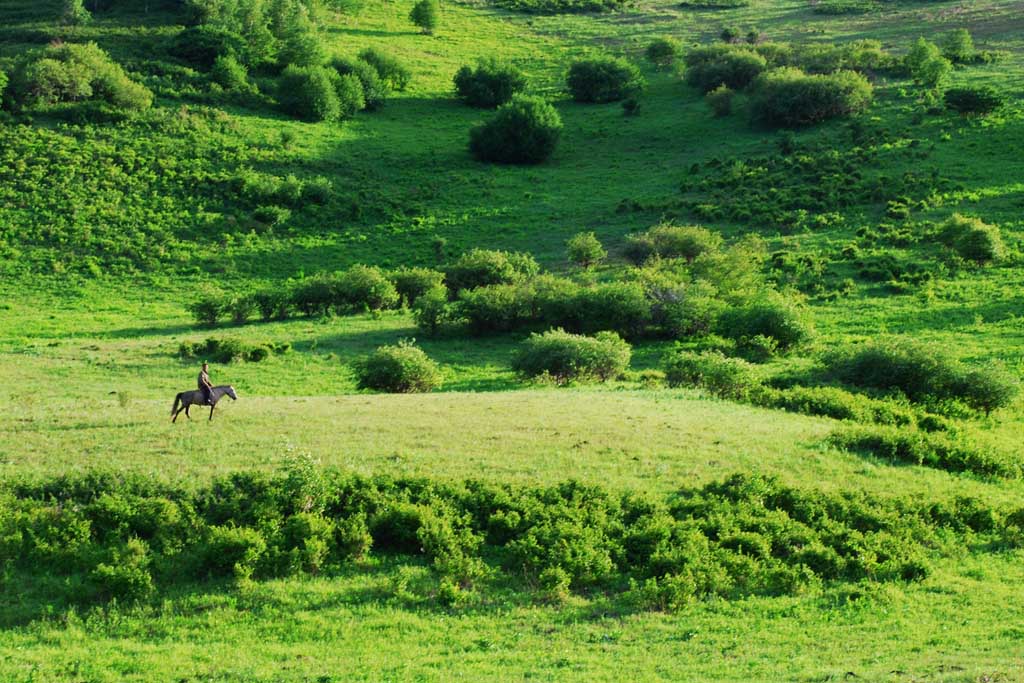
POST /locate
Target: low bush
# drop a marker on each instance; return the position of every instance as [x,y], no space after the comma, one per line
[375,90]
[772,317]
[930,450]
[229,350]
[412,283]
[729,378]
[482,267]
[838,404]
[974,100]
[709,67]
[390,70]
[585,250]
[620,307]
[720,100]
[208,308]
[200,46]
[364,288]
[432,309]
[603,79]
[350,95]
[662,52]
[228,73]
[310,93]
[789,98]
[526,130]
[972,239]
[926,65]
[491,84]
[426,14]
[398,369]
[958,46]
[566,357]
[672,241]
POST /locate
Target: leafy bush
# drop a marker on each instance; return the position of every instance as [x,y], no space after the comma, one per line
[432,309]
[126,575]
[200,46]
[926,64]
[310,93]
[987,388]
[621,307]
[233,550]
[364,288]
[838,404]
[230,75]
[526,130]
[958,46]
[709,67]
[563,6]
[566,357]
[314,295]
[75,13]
[375,90]
[491,84]
[930,450]
[772,316]
[788,97]
[980,100]
[495,308]
[972,239]
[672,241]
[481,267]
[68,72]
[227,350]
[401,369]
[730,378]
[603,79]
[720,100]
[662,52]
[208,308]
[426,14]
[390,70]
[412,283]
[272,304]
[585,250]
[350,95]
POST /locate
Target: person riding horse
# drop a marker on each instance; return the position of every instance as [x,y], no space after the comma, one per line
[204,383]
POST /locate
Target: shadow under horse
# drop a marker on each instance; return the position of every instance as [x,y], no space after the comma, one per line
[187,399]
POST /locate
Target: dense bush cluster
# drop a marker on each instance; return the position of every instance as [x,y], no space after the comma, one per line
[972,238]
[662,52]
[974,100]
[101,537]
[564,6]
[603,79]
[940,451]
[319,93]
[525,130]
[230,350]
[564,357]
[730,378]
[710,67]
[399,369]
[922,373]
[670,241]
[789,98]
[389,68]
[70,73]
[491,84]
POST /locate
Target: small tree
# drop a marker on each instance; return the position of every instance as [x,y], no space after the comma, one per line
[394,74]
[230,75]
[524,131]
[662,52]
[491,84]
[309,93]
[400,369]
[720,100]
[603,79]
[585,249]
[926,64]
[75,13]
[958,46]
[426,14]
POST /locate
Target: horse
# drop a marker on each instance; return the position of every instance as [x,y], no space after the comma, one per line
[195,398]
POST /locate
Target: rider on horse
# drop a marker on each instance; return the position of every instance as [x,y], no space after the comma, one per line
[204,383]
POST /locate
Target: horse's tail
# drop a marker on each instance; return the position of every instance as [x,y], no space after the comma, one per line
[174,408]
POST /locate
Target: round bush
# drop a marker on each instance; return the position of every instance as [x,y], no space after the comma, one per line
[662,52]
[709,67]
[524,131]
[481,267]
[622,307]
[399,369]
[426,14]
[987,389]
[584,249]
[772,317]
[375,90]
[720,100]
[565,357]
[495,308]
[390,70]
[200,46]
[672,241]
[789,98]
[412,283]
[491,84]
[603,79]
[972,239]
[364,288]
[230,75]
[350,95]
[979,100]
[730,378]
[310,93]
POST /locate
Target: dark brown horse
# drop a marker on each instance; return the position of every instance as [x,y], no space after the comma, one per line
[186,399]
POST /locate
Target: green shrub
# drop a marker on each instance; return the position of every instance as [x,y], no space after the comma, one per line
[125,576]
[720,101]
[272,304]
[987,388]
[603,79]
[526,130]
[432,309]
[958,46]
[710,67]
[620,307]
[298,41]
[481,267]
[973,239]
[375,90]
[402,369]
[3,84]
[662,52]
[241,309]
[390,70]
[491,84]
[200,46]
[310,93]
[729,378]
[427,15]
[208,308]
[75,13]
[412,283]
[350,95]
[230,75]
[926,64]
[364,288]
[496,308]
[232,550]
[919,448]
[314,295]
[789,98]
[838,404]
[567,357]
[672,241]
[225,350]
[771,316]
[585,250]
[979,100]
[690,311]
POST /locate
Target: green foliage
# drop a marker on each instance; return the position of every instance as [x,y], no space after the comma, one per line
[958,46]
[709,67]
[298,42]
[481,267]
[69,72]
[773,316]
[426,14]
[230,75]
[310,93]
[363,288]
[789,98]
[390,70]
[672,241]
[209,307]
[412,283]
[838,404]
[662,52]
[931,450]
[977,100]
[228,350]
[75,13]
[491,84]
[432,309]
[200,46]
[926,64]
[526,130]
[972,238]
[563,6]
[495,308]
[401,369]
[720,100]
[730,378]
[350,95]
[585,250]
[566,357]
[375,90]
[125,576]
[603,79]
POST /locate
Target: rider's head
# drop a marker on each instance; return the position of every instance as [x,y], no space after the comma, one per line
[205,365]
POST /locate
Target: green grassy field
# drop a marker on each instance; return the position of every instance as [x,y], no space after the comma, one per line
[108,232]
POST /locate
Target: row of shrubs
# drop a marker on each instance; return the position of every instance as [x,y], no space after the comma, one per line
[96,536]
[229,350]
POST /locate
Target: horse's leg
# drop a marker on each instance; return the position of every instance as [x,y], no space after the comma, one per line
[187,406]
[211,411]
[174,417]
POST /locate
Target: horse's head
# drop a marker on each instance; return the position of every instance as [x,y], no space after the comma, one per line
[231,392]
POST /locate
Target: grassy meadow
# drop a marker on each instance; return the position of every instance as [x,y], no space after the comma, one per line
[111,230]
